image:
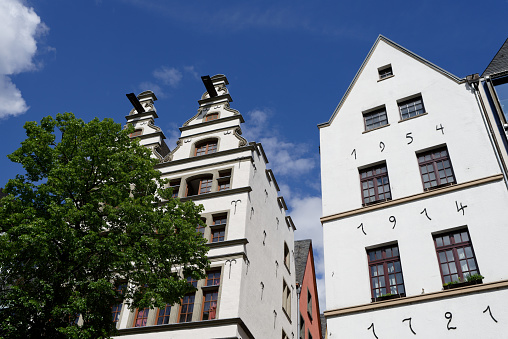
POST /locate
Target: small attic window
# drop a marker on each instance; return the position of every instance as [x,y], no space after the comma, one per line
[136,133]
[385,72]
[212,116]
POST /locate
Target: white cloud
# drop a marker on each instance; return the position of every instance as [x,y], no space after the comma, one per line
[169,76]
[305,212]
[19,28]
[150,86]
[286,158]
[191,71]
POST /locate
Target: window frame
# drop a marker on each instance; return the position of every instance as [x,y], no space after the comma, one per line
[212,116]
[453,246]
[210,306]
[382,75]
[434,162]
[287,257]
[143,318]
[370,115]
[374,177]
[187,303]
[385,261]
[204,185]
[165,317]
[411,102]
[309,304]
[136,133]
[205,147]
[286,299]
[219,223]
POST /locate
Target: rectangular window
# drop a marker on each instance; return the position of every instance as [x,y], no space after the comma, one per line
[375,184]
[435,168]
[375,119]
[210,304]
[175,185]
[224,180]
[309,304]
[186,308]
[115,311]
[385,272]
[456,256]
[286,299]
[200,228]
[141,317]
[287,258]
[219,228]
[163,315]
[117,308]
[212,116]
[212,278]
[411,108]
[385,72]
[136,133]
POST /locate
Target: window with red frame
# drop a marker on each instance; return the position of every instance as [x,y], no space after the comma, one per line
[200,228]
[199,186]
[224,180]
[219,228]
[115,312]
[206,147]
[117,308]
[175,185]
[212,278]
[210,304]
[385,272]
[141,317]
[163,315]
[456,256]
[186,308]
[136,133]
[212,116]
[375,184]
[435,168]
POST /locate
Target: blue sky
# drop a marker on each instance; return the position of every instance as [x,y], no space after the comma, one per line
[288,64]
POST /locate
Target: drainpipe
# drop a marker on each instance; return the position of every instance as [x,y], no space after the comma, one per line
[474,81]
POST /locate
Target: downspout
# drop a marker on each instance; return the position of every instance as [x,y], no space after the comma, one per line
[481,105]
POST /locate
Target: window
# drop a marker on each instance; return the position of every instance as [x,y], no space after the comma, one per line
[175,185]
[375,184]
[375,119]
[411,108]
[286,299]
[385,272]
[206,147]
[309,304]
[201,227]
[287,258]
[115,311]
[212,116]
[302,327]
[456,256]
[224,180]
[210,304]
[199,186]
[212,278]
[163,315]
[501,90]
[141,317]
[385,72]
[186,308]
[136,133]
[219,228]
[435,168]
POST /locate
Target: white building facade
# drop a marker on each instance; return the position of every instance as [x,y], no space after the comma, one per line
[249,291]
[414,206]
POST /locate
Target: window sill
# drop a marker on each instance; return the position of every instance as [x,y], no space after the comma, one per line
[416,116]
[462,284]
[439,186]
[210,288]
[388,77]
[374,129]
[388,297]
[377,202]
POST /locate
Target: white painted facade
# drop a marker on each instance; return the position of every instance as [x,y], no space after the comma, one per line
[251,257]
[413,216]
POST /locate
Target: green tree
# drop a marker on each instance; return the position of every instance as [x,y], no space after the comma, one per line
[90,213]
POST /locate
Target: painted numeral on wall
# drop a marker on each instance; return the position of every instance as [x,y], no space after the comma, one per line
[461,207]
[392,219]
[488,309]
[361,226]
[425,211]
[410,327]
[354,153]
[373,331]
[382,146]
[441,128]
[408,136]
[449,316]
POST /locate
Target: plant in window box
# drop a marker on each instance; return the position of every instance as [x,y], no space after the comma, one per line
[388,296]
[471,279]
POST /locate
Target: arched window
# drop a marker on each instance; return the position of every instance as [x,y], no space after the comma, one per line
[212,116]
[136,133]
[206,147]
[199,185]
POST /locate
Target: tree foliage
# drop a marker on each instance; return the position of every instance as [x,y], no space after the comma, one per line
[90,213]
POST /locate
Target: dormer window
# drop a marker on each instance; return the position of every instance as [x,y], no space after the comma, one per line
[212,116]
[385,72]
[206,147]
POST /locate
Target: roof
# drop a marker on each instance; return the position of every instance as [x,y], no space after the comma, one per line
[399,48]
[301,253]
[500,62]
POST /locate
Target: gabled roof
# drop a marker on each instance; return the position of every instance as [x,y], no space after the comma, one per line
[301,253]
[500,62]
[401,49]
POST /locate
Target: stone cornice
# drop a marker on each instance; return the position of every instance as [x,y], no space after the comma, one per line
[456,292]
[217,194]
[141,115]
[227,243]
[206,156]
[424,195]
[214,165]
[187,326]
[212,122]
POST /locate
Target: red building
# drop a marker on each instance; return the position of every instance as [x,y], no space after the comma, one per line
[309,320]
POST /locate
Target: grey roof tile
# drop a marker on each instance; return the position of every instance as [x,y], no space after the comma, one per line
[301,253]
[500,62]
